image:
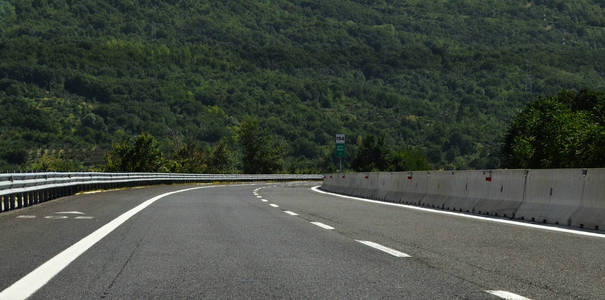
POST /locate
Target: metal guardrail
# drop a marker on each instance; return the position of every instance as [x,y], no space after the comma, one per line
[19,190]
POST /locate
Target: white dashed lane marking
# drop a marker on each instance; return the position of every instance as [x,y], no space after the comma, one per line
[506,295]
[56,217]
[274,205]
[84,218]
[291,213]
[322,225]
[264,200]
[26,217]
[384,249]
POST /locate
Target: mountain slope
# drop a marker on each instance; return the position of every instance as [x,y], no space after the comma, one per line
[443,77]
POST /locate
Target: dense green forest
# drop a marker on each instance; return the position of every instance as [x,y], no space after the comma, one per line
[563,131]
[437,78]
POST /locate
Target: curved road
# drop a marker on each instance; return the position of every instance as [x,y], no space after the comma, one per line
[281,241]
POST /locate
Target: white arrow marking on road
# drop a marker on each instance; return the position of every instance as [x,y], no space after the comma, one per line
[384,249]
[507,295]
[322,225]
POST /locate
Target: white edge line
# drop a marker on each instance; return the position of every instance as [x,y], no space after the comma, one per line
[291,213]
[506,295]
[32,282]
[510,222]
[322,225]
[274,205]
[382,248]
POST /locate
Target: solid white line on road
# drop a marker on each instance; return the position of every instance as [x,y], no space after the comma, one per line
[26,217]
[507,295]
[274,205]
[322,225]
[84,218]
[264,200]
[435,211]
[28,285]
[291,213]
[384,249]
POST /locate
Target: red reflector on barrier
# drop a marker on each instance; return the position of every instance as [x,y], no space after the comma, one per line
[366,177]
[488,179]
[410,177]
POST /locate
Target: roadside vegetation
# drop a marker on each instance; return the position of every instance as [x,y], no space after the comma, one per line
[566,130]
[440,79]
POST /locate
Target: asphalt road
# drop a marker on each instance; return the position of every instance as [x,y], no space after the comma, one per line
[226,242]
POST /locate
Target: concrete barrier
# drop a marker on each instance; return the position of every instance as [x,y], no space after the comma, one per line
[497,192]
[591,213]
[572,197]
[552,196]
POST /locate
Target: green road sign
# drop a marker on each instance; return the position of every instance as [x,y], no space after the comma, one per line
[340,150]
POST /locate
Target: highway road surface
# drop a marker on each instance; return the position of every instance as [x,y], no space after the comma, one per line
[282,240]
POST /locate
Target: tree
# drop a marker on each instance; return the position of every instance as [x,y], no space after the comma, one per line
[260,154]
[220,159]
[190,158]
[563,131]
[371,155]
[55,162]
[141,155]
[407,160]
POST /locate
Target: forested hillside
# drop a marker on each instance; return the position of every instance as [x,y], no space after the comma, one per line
[443,78]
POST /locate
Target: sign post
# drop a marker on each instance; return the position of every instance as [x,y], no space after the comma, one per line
[340,149]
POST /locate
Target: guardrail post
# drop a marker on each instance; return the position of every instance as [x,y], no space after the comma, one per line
[19,202]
